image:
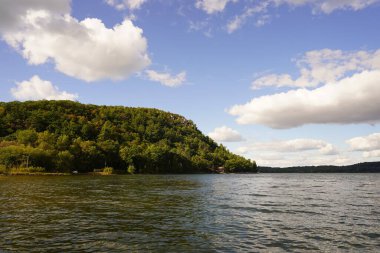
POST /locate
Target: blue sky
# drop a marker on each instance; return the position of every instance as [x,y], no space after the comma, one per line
[284,82]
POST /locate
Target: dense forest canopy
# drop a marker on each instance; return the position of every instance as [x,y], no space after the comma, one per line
[62,136]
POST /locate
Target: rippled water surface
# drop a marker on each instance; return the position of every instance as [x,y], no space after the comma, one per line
[191,213]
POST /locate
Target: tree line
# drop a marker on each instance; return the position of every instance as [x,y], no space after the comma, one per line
[367,167]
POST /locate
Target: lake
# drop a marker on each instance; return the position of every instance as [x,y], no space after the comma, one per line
[191,213]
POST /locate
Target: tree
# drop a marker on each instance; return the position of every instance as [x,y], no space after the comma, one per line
[27,137]
[46,140]
[64,161]
[63,142]
[108,132]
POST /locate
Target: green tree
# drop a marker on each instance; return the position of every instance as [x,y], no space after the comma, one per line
[64,161]
[27,137]
[108,132]
[46,140]
[63,142]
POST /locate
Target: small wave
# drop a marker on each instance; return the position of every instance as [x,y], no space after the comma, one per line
[258,195]
[372,235]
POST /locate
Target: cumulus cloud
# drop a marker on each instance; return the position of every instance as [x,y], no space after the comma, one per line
[225,134]
[328,149]
[166,78]
[295,145]
[353,99]
[13,12]
[365,143]
[125,4]
[370,144]
[323,66]
[373,153]
[212,6]
[294,152]
[86,50]
[290,160]
[37,89]
[346,81]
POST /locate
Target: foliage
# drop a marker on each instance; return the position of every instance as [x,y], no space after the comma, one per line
[131,169]
[239,164]
[62,136]
[26,170]
[108,171]
[3,169]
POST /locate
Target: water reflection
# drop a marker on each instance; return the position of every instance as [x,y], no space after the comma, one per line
[93,214]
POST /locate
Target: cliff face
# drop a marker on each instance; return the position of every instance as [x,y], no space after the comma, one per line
[61,136]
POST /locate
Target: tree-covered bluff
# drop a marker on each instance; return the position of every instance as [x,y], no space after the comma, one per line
[62,136]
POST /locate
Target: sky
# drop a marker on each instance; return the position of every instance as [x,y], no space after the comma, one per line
[282,82]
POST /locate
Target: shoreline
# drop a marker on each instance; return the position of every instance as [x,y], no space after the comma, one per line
[108,174]
[36,174]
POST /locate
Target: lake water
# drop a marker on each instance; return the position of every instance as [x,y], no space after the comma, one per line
[191,213]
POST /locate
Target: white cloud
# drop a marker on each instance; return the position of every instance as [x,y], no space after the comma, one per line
[84,49]
[323,66]
[353,99]
[166,78]
[263,20]
[370,144]
[295,145]
[365,143]
[12,12]
[239,20]
[294,152]
[225,134]
[328,149]
[126,4]
[262,10]
[328,6]
[204,26]
[303,160]
[273,80]
[212,6]
[373,153]
[235,24]
[37,89]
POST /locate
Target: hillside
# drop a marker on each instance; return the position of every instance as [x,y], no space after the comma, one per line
[62,136]
[369,167]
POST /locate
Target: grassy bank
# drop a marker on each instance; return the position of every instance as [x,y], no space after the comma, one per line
[29,171]
[37,174]
[39,171]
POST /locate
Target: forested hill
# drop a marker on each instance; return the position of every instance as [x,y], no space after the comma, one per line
[369,167]
[62,136]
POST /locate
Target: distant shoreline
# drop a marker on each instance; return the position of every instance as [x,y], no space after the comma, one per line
[367,167]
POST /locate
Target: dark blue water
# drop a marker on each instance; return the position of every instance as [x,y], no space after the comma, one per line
[191,213]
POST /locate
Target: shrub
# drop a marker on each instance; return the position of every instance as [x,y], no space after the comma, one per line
[33,169]
[23,170]
[108,171]
[3,169]
[131,169]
